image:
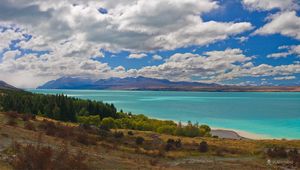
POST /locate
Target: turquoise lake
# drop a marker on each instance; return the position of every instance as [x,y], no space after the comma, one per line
[269,114]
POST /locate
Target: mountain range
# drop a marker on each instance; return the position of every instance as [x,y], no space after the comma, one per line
[144,83]
[128,83]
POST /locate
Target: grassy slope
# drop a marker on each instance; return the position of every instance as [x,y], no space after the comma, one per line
[111,153]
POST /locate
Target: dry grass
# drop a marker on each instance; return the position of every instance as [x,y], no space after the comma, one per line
[126,154]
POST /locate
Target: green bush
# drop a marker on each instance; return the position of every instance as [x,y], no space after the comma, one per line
[89,120]
[166,129]
[108,123]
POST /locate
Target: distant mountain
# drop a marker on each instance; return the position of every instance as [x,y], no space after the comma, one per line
[5,86]
[128,83]
[68,83]
[144,83]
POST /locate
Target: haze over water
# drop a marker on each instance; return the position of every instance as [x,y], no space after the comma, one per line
[270,114]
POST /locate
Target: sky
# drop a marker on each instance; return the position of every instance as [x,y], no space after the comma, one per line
[240,42]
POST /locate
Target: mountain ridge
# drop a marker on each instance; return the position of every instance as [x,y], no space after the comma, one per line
[128,83]
[5,86]
[145,83]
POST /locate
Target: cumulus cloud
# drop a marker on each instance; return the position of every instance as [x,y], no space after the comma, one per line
[285,78]
[206,67]
[265,5]
[291,50]
[213,66]
[39,69]
[285,23]
[137,56]
[7,35]
[10,55]
[157,57]
[128,25]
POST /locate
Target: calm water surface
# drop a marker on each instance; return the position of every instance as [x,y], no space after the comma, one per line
[275,115]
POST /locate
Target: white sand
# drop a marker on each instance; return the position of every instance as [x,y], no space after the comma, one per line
[236,134]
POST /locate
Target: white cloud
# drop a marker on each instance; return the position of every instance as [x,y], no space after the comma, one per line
[285,78]
[291,50]
[137,56]
[40,69]
[8,35]
[73,33]
[207,67]
[120,69]
[265,5]
[285,23]
[213,66]
[136,26]
[242,39]
[157,57]
[10,55]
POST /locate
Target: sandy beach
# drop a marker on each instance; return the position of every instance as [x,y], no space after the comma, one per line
[236,134]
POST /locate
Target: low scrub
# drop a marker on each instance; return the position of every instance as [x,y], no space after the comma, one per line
[39,157]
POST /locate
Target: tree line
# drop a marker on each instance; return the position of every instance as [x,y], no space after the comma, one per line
[59,107]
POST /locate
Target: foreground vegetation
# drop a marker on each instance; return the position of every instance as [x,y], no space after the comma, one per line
[42,142]
[118,140]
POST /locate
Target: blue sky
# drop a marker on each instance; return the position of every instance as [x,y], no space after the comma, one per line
[242,42]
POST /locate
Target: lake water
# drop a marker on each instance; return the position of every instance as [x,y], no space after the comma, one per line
[267,114]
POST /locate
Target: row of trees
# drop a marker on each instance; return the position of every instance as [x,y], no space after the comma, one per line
[59,107]
[143,123]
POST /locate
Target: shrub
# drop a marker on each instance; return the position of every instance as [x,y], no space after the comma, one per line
[89,120]
[118,135]
[277,152]
[192,130]
[173,144]
[178,143]
[26,117]
[49,127]
[82,138]
[169,147]
[203,147]
[294,156]
[108,123]
[11,122]
[29,126]
[166,129]
[64,131]
[13,115]
[139,140]
[103,133]
[45,158]
[130,133]
[153,162]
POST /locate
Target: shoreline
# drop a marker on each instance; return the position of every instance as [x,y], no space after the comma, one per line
[227,133]
[237,134]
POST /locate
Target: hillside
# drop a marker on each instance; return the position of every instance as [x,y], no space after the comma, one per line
[112,151]
[144,83]
[5,86]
